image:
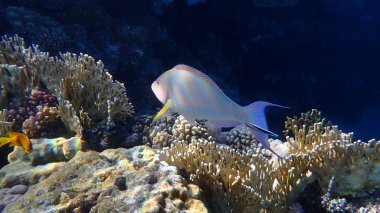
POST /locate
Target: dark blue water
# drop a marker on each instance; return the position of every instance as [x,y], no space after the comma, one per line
[320,54]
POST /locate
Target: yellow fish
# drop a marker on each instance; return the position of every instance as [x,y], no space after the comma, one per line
[17,139]
[196,96]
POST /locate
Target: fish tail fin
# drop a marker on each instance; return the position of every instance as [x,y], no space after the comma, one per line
[258,123]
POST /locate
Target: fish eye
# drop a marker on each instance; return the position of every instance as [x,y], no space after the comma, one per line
[157,83]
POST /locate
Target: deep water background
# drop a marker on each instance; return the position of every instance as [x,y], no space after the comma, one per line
[320,54]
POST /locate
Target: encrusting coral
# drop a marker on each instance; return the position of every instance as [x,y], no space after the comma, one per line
[89,100]
[318,151]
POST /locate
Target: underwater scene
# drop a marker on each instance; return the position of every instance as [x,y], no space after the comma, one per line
[190,106]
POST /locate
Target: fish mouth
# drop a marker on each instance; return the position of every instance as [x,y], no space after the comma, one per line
[159,92]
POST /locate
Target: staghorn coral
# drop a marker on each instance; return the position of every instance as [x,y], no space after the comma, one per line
[89,99]
[250,183]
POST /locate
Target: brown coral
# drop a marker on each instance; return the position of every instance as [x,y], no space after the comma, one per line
[88,97]
[5,126]
[318,151]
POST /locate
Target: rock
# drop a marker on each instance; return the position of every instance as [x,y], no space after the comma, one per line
[48,150]
[122,180]
[10,195]
[48,156]
[18,189]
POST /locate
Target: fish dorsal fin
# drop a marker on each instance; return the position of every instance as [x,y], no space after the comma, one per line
[198,73]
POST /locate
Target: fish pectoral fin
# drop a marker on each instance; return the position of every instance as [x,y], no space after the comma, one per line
[169,103]
[253,126]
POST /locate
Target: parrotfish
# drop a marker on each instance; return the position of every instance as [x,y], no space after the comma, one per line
[194,95]
[17,139]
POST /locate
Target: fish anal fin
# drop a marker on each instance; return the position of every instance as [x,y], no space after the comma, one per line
[257,128]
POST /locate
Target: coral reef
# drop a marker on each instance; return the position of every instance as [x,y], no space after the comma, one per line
[338,205]
[138,40]
[5,126]
[36,115]
[318,151]
[48,156]
[89,99]
[242,139]
[128,180]
[175,128]
[14,81]
[231,179]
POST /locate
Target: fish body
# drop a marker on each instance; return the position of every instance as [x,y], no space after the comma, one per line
[196,96]
[17,139]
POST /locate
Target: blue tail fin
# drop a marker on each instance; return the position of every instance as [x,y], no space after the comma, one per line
[258,123]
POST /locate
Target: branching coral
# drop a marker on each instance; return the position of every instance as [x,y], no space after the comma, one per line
[318,151]
[5,126]
[14,84]
[242,139]
[88,97]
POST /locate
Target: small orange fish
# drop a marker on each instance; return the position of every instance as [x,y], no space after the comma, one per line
[17,139]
